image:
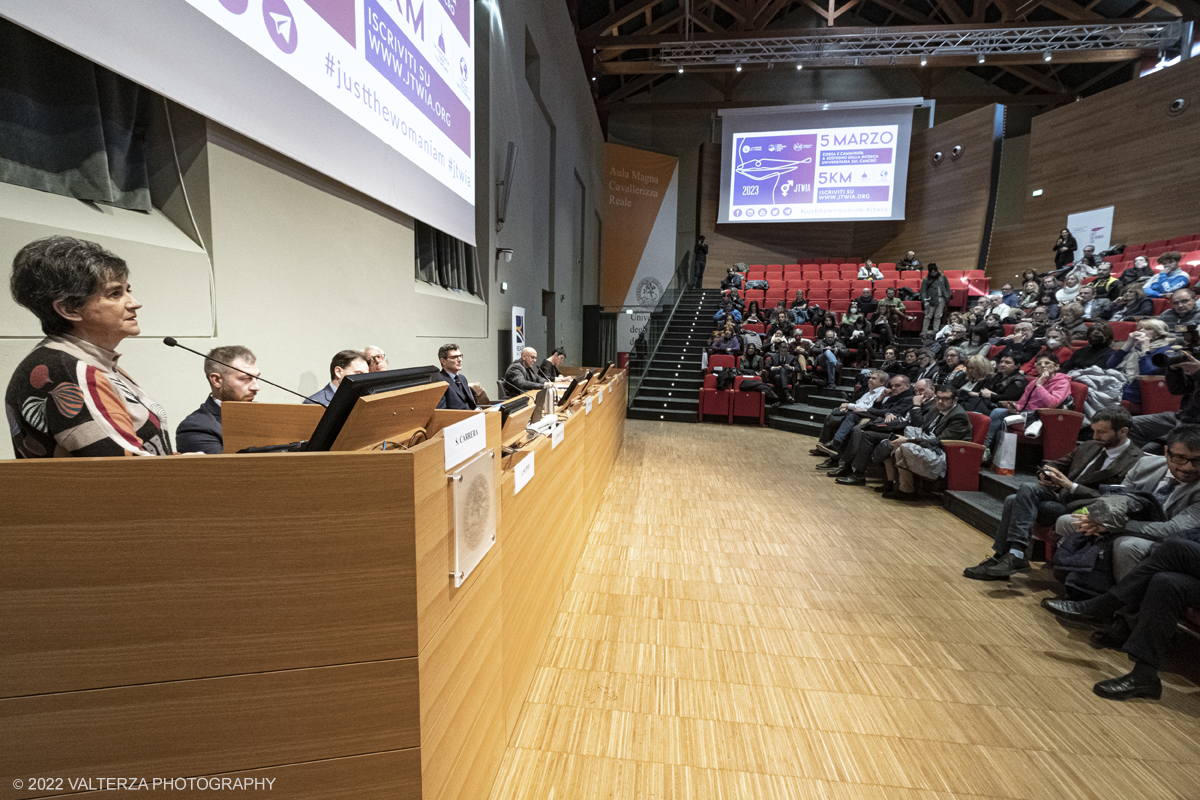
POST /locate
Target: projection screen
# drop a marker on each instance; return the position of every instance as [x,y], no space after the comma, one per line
[377,94]
[824,162]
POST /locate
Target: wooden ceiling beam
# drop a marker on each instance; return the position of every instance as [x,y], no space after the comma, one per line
[1072,11]
[952,10]
[617,18]
[1033,77]
[901,10]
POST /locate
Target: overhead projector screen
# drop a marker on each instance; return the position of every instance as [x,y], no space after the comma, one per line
[824,162]
[377,94]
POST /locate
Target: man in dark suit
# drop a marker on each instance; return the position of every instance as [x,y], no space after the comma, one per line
[346,362]
[549,368]
[522,375]
[919,452]
[200,431]
[863,448]
[1063,485]
[458,394]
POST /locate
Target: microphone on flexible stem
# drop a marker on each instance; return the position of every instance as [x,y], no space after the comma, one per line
[171,342]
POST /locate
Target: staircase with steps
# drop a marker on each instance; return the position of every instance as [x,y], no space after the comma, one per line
[671,388]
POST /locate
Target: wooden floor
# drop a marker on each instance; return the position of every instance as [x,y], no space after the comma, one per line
[741,627]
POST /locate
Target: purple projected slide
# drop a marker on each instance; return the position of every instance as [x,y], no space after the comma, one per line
[822,173]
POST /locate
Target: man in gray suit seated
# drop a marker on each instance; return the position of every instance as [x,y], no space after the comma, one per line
[522,375]
[1174,480]
[347,362]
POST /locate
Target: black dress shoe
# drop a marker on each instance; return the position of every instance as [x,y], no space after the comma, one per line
[885,487]
[979,572]
[896,494]
[852,480]
[1111,638]
[829,463]
[1074,610]
[1128,687]
[841,472]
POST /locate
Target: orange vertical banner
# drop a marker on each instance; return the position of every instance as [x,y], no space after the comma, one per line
[636,183]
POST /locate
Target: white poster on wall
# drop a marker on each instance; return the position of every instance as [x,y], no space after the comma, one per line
[629,326]
[518,332]
[1092,227]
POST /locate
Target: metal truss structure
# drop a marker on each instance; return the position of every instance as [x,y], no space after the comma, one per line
[853,47]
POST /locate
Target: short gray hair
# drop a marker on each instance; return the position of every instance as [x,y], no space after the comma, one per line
[61,268]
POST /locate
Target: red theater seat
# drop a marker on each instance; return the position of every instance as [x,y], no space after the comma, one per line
[721,361]
[712,401]
[747,404]
[963,459]
[1121,330]
[1155,397]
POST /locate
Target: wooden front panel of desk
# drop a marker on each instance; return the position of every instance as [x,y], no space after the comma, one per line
[192,615]
[545,528]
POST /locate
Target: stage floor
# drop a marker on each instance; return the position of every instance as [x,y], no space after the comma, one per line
[741,627]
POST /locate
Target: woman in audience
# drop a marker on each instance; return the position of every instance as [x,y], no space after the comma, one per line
[1049,284]
[753,314]
[891,363]
[1135,356]
[1056,344]
[952,369]
[1069,291]
[751,363]
[1097,351]
[1050,389]
[851,316]
[975,375]
[882,334]
[1005,383]
[858,339]
[828,323]
[869,272]
[1030,292]
[911,365]
[1132,304]
[736,299]
[726,343]
[1048,301]
[994,327]
[1064,249]
[73,399]
[955,318]
[1072,322]
[798,313]
[977,345]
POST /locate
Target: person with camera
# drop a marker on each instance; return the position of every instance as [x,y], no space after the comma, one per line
[1180,368]
[1062,485]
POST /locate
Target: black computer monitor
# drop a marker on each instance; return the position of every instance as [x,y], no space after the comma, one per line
[604,372]
[353,387]
[509,406]
[566,398]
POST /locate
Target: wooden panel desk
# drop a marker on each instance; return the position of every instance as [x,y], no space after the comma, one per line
[281,616]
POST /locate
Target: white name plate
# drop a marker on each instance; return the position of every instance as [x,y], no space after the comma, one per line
[464,439]
[557,435]
[587,406]
[600,396]
[523,472]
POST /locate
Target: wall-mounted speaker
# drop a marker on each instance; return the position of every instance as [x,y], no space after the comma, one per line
[956,151]
[1177,106]
[937,157]
[504,186]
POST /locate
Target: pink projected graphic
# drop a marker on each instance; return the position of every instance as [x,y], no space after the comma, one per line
[338,13]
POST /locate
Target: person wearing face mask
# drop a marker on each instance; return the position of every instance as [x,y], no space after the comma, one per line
[1097,351]
[1056,343]
[1136,356]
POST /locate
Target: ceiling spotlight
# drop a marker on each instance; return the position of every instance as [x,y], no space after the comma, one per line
[1046,56]
[924,60]
[593,77]
[681,70]
[799,66]
[738,68]
[980,58]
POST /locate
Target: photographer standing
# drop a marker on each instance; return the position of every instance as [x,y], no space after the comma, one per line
[1181,381]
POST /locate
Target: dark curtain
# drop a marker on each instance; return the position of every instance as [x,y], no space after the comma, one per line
[446,261]
[68,126]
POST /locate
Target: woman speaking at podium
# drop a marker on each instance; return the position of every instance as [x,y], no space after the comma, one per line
[69,397]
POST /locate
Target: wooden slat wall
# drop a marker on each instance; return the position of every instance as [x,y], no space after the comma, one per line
[1121,148]
[945,209]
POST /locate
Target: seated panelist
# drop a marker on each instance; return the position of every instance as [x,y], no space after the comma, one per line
[459,394]
[376,358]
[522,375]
[68,397]
[200,431]
[347,362]
[550,366]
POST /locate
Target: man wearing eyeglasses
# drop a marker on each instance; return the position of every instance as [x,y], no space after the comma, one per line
[1173,480]
[458,394]
[376,359]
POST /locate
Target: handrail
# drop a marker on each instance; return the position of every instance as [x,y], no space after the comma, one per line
[673,295]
